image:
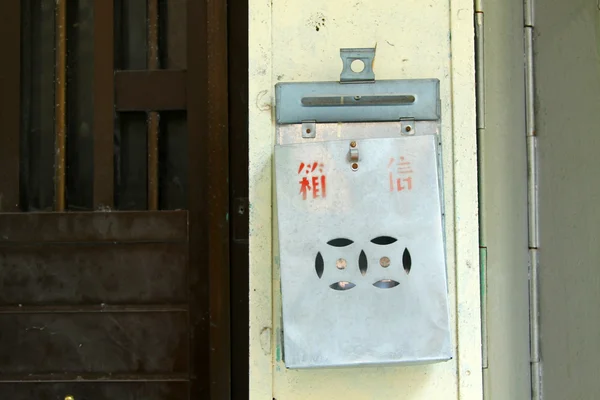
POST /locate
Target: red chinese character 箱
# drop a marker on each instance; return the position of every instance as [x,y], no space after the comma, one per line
[312,182]
[403,167]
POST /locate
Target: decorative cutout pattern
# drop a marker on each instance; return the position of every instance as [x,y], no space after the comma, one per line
[386,284]
[406,261]
[363,264]
[384,240]
[342,285]
[319,265]
[340,242]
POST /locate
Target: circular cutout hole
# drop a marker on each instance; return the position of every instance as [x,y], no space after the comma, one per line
[384,262]
[357,66]
[340,263]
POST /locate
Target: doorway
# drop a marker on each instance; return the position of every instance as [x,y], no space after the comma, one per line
[122,203]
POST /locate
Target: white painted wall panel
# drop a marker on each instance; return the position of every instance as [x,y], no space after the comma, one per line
[295,40]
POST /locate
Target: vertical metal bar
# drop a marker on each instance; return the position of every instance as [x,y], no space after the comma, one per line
[60,93]
[479,69]
[528,12]
[534,312]
[216,181]
[529,81]
[103,104]
[197,120]
[153,116]
[533,211]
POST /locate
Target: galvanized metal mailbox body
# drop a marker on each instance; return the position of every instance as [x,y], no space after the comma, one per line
[360,220]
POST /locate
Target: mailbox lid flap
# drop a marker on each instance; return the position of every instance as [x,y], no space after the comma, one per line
[387,210]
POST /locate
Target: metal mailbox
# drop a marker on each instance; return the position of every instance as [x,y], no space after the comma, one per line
[360,220]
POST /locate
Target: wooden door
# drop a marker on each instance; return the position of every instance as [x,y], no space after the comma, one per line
[114,200]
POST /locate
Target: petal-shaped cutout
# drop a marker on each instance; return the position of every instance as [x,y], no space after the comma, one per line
[363,264]
[386,284]
[384,240]
[340,242]
[406,260]
[342,285]
[319,265]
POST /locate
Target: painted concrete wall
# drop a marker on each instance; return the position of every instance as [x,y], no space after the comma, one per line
[567,66]
[298,40]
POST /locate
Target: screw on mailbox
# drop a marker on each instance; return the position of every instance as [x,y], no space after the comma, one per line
[354,166]
[352,144]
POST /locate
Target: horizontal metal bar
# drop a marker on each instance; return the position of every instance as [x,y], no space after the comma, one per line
[113,227]
[157,90]
[336,102]
[389,100]
[93,377]
[100,308]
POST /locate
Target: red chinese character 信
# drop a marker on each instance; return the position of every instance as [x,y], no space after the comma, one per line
[402,168]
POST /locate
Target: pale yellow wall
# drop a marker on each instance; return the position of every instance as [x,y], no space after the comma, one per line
[414,39]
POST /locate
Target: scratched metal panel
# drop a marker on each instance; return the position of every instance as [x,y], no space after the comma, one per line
[93,274]
[95,391]
[94,342]
[362,259]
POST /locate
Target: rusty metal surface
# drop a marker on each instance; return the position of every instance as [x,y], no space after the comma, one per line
[84,274]
[150,90]
[153,146]
[153,116]
[98,227]
[103,104]
[95,391]
[60,109]
[10,94]
[136,343]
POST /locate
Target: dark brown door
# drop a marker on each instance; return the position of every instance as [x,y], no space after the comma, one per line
[114,200]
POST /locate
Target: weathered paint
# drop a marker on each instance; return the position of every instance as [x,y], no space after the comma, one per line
[294,40]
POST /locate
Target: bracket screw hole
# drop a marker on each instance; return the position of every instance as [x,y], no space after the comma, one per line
[357,66]
[353,144]
[308,130]
[408,128]
[354,166]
